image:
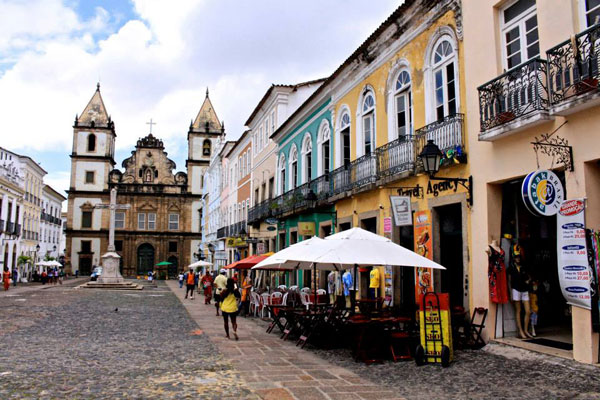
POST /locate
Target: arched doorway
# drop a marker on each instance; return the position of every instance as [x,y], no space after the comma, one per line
[173,268]
[145,257]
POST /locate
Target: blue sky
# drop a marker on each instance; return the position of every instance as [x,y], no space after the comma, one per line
[155,59]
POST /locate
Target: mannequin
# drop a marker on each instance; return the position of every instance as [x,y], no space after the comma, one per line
[497,274]
[347,283]
[519,280]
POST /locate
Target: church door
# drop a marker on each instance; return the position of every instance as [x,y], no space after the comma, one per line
[85,265]
[145,259]
[174,267]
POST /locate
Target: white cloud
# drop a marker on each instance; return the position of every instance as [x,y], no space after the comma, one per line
[159,65]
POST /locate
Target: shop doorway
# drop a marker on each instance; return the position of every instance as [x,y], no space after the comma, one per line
[452,279]
[85,265]
[536,237]
[173,268]
[369,224]
[404,278]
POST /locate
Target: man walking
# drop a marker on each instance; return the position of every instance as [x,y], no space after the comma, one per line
[181,279]
[190,279]
[220,284]
[15,277]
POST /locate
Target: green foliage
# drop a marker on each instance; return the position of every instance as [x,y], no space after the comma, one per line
[23,260]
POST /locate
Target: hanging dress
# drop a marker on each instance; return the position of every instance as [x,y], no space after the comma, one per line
[497,277]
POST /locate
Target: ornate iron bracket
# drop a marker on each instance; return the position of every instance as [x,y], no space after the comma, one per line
[556,147]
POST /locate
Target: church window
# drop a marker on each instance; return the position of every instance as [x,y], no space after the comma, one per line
[141,221]
[89,176]
[173,222]
[119,220]
[141,173]
[151,221]
[86,219]
[86,246]
[91,142]
[172,247]
[206,148]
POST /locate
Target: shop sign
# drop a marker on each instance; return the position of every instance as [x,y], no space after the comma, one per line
[306,228]
[573,267]
[542,193]
[271,221]
[236,242]
[423,247]
[271,228]
[260,248]
[443,186]
[401,210]
[387,225]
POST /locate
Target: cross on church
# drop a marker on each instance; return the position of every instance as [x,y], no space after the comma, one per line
[113,206]
[150,123]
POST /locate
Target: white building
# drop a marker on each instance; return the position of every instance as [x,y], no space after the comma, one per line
[12,192]
[51,223]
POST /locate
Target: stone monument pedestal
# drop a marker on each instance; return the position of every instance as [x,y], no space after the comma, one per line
[110,269]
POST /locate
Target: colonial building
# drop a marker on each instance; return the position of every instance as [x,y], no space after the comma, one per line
[12,192]
[163,221]
[51,223]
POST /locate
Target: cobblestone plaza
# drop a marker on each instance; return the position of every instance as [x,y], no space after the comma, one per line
[63,342]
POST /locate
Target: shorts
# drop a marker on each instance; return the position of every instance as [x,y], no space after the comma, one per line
[520,296]
[217,297]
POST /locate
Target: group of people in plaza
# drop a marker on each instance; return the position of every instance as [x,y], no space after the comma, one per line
[228,296]
[52,276]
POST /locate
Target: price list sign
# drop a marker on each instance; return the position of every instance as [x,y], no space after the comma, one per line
[573,268]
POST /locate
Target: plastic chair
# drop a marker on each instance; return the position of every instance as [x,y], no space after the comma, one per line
[284,299]
[254,303]
[293,288]
[282,287]
[265,301]
[305,298]
[305,290]
[321,292]
[275,295]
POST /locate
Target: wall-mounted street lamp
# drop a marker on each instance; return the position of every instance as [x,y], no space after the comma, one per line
[432,158]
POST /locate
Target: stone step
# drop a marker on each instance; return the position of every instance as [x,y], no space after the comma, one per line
[113,286]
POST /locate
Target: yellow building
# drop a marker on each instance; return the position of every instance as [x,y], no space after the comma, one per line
[403,87]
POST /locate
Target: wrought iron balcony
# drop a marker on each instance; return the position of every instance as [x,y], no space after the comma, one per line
[10,228]
[356,174]
[18,229]
[448,134]
[340,179]
[573,67]
[517,93]
[259,211]
[396,157]
[222,232]
[321,187]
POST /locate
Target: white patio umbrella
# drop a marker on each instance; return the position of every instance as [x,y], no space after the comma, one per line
[53,263]
[200,264]
[301,255]
[43,264]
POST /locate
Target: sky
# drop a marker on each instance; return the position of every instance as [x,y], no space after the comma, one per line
[155,59]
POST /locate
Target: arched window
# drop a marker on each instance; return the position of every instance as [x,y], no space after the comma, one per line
[206,148]
[368,121]
[403,105]
[307,158]
[324,136]
[345,138]
[282,174]
[444,79]
[91,142]
[293,167]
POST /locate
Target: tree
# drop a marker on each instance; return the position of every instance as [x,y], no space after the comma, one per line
[23,260]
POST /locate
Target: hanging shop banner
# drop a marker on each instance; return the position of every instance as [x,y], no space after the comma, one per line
[387,225]
[306,228]
[260,248]
[388,292]
[236,242]
[401,210]
[542,193]
[573,267]
[423,247]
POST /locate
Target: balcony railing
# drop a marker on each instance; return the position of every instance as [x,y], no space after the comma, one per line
[516,93]
[18,229]
[396,156]
[340,179]
[573,66]
[10,227]
[447,133]
[357,173]
[222,232]
[259,211]
[321,187]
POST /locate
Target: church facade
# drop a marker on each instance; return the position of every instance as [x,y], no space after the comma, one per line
[163,218]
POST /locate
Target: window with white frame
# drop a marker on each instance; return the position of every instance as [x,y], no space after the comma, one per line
[519,32]
[324,136]
[151,221]
[282,174]
[591,9]
[249,162]
[345,138]
[403,105]
[173,222]
[368,122]
[293,167]
[119,220]
[444,76]
[307,158]
[141,221]
[273,121]
[260,137]
[267,133]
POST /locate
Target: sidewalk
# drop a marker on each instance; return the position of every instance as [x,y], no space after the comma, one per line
[23,288]
[275,369]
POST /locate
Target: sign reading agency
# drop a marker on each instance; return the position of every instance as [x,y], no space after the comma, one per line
[542,193]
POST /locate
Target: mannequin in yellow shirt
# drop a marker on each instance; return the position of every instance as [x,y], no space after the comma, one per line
[374,282]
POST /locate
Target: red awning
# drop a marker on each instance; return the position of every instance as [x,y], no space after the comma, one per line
[248,262]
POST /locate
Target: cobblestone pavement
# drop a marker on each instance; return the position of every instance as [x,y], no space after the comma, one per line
[279,370]
[70,343]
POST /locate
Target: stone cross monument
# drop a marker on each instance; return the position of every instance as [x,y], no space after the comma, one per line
[110,260]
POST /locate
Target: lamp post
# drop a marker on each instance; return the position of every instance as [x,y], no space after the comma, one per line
[54,250]
[432,158]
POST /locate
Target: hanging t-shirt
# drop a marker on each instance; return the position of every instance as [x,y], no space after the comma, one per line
[347,280]
[375,278]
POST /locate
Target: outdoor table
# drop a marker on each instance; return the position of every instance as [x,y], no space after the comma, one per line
[309,321]
[321,299]
[367,306]
[278,311]
[368,339]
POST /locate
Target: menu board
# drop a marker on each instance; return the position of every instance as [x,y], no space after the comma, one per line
[388,285]
[573,266]
[423,247]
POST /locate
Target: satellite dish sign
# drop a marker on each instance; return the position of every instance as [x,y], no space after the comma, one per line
[542,193]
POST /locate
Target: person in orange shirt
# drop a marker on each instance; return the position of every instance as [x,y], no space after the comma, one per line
[246,287]
[6,278]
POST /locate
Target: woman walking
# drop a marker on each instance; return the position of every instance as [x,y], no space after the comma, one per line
[6,280]
[207,282]
[229,307]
